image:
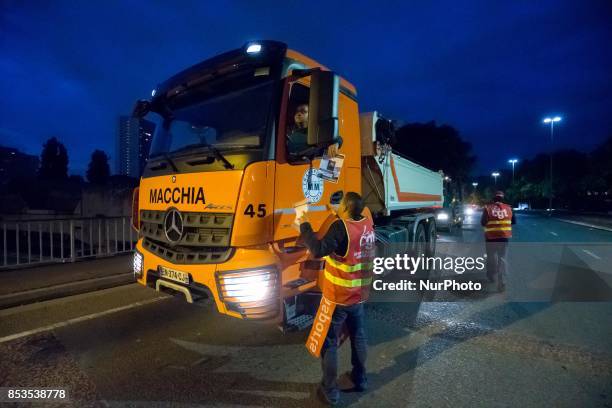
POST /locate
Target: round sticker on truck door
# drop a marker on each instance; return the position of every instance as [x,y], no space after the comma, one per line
[312,186]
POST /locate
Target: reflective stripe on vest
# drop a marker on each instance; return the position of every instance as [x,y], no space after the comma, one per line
[347,283]
[348,268]
[502,222]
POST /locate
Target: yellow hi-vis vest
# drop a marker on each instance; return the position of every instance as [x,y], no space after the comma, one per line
[499,221]
[347,279]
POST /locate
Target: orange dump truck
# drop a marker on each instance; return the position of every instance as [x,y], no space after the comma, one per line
[215,208]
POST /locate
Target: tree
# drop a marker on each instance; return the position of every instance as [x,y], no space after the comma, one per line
[601,164]
[98,170]
[53,161]
[581,181]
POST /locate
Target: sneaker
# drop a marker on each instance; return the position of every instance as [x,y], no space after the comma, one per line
[332,398]
[362,386]
[359,386]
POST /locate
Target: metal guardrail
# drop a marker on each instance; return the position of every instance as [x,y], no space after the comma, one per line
[64,240]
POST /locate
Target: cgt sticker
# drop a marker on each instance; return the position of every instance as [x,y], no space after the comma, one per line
[312,186]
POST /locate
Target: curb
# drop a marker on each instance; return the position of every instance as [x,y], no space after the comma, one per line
[584,224]
[66,289]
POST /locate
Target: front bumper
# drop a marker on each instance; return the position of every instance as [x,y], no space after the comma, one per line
[220,281]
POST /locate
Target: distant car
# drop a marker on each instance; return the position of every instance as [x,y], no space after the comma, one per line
[470,210]
[449,218]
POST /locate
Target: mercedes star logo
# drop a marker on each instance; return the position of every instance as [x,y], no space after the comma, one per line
[173,225]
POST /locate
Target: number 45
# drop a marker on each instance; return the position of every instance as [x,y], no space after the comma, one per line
[261,211]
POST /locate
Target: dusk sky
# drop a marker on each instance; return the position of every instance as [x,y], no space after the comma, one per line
[491,69]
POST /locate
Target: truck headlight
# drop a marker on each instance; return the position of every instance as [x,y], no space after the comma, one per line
[137,264]
[442,216]
[253,48]
[250,285]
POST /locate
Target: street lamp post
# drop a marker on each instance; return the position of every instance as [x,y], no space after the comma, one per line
[513,162]
[551,121]
[474,184]
[495,175]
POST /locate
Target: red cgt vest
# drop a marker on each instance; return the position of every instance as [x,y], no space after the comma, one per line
[347,278]
[499,221]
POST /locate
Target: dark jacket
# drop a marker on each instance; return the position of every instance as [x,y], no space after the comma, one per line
[335,240]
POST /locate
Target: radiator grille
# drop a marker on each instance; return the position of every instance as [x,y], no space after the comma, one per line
[205,238]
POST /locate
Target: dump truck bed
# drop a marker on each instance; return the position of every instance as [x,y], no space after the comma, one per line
[392,182]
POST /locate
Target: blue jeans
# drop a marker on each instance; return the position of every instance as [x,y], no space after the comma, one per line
[353,316]
[496,260]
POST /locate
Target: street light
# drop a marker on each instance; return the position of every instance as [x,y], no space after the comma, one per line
[474,185]
[495,175]
[513,162]
[552,122]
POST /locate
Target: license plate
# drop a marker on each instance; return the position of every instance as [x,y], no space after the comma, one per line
[171,274]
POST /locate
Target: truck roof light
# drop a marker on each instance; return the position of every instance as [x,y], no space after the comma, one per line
[253,48]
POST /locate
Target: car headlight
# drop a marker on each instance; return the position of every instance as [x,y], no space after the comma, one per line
[442,216]
[249,285]
[469,211]
[137,264]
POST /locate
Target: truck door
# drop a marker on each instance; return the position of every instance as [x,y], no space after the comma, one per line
[296,178]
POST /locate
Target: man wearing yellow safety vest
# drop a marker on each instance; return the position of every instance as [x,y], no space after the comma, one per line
[497,220]
[348,248]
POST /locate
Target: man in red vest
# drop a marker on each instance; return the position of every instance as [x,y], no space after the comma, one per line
[497,220]
[349,249]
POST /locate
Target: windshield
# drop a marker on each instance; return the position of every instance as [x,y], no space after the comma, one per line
[230,121]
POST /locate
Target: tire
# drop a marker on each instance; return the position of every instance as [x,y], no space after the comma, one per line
[432,237]
[420,240]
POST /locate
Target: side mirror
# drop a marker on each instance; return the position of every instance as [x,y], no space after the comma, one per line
[323,108]
[385,131]
[141,109]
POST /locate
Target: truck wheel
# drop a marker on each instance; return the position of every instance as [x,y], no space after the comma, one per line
[420,240]
[432,237]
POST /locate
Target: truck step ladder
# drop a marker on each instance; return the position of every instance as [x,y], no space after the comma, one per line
[298,323]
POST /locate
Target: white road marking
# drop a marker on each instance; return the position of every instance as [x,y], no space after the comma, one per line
[554,233]
[296,395]
[586,251]
[584,224]
[79,319]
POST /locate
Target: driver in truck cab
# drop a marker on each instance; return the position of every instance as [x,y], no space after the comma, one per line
[348,248]
[297,136]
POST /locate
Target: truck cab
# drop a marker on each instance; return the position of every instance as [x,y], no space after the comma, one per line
[215,204]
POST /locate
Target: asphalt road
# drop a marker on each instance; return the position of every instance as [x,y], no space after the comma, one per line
[129,346]
[548,259]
